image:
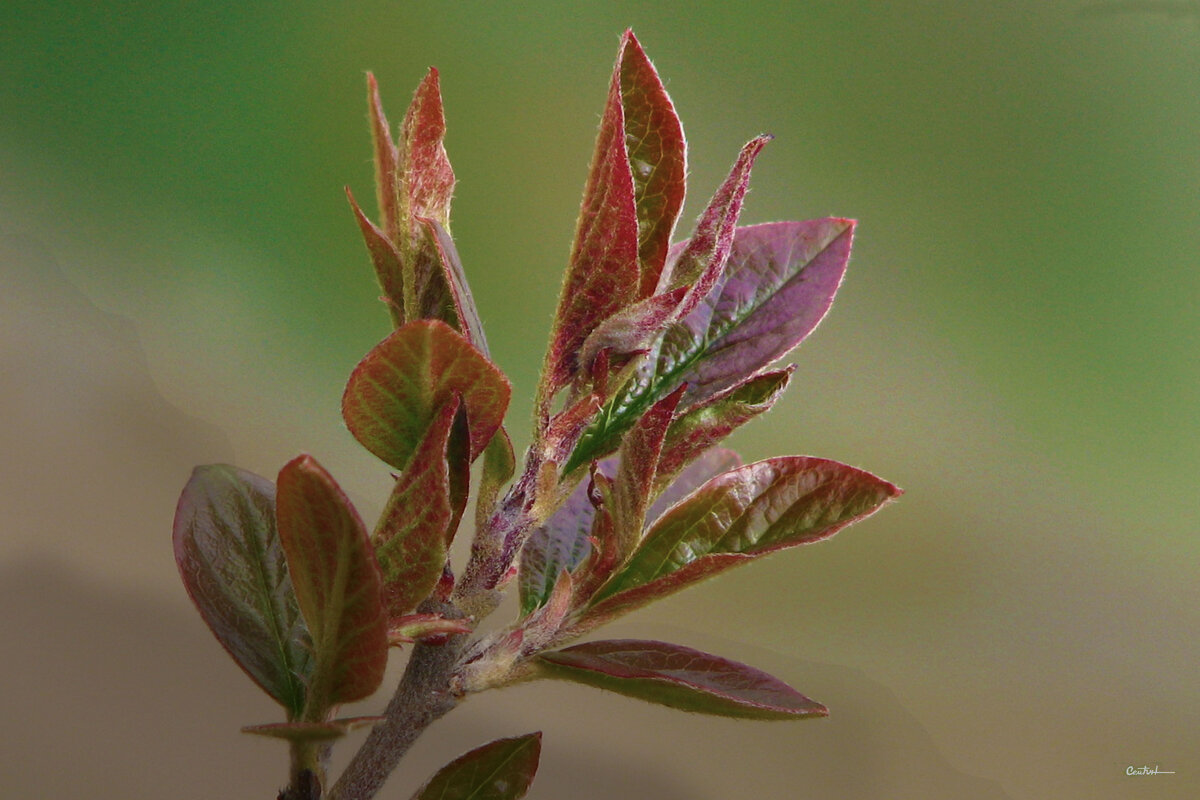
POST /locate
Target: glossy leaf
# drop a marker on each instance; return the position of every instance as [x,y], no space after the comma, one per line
[396,391]
[657,155]
[499,770]
[229,556]
[703,468]
[754,510]
[337,582]
[702,426]
[413,534]
[778,283]
[603,275]
[680,677]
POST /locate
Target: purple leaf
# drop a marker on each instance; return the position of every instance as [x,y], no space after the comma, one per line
[233,567]
[779,283]
[338,586]
[560,544]
[746,513]
[396,391]
[499,770]
[680,677]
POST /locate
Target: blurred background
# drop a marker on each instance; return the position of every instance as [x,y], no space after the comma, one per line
[181,282]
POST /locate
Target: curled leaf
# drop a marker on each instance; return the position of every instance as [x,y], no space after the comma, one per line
[680,677]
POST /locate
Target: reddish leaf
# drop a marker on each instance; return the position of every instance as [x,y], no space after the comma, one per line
[395,392]
[632,486]
[427,179]
[657,157]
[704,255]
[633,328]
[702,426]
[751,511]
[499,770]
[386,156]
[387,260]
[458,305]
[233,567]
[338,585]
[413,534]
[680,677]
[603,274]
[703,468]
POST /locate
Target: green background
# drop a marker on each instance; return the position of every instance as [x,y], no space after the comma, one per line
[1015,345]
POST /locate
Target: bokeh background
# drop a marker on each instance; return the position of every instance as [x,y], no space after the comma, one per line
[1015,345]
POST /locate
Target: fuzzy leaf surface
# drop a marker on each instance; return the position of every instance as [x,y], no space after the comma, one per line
[657,155]
[499,770]
[396,391]
[338,585]
[703,468]
[740,515]
[680,677]
[779,281]
[413,534]
[603,274]
[233,567]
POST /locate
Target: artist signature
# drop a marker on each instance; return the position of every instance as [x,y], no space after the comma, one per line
[1148,771]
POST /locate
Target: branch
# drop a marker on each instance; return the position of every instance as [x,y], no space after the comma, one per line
[423,696]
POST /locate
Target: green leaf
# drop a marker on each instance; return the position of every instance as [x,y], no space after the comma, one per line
[779,281]
[680,677]
[396,391]
[234,569]
[338,586]
[737,516]
[499,770]
[703,468]
[413,534]
[311,731]
[704,425]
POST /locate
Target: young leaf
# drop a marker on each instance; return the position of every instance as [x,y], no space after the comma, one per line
[386,178]
[657,158]
[703,256]
[603,274]
[389,264]
[413,534]
[499,770]
[397,389]
[754,510]
[311,731]
[680,677]
[337,582]
[703,468]
[778,283]
[457,305]
[427,628]
[703,425]
[231,562]
[426,178]
[560,544]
